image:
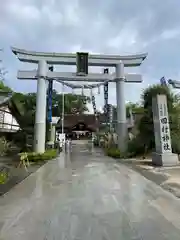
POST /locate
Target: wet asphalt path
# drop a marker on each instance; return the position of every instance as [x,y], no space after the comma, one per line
[86,196]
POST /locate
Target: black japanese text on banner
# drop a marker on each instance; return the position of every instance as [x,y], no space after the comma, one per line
[50,91]
[94,104]
[106,101]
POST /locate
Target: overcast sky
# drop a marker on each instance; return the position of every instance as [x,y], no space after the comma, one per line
[98,26]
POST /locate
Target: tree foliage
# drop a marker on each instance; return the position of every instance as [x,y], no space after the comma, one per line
[4,88]
[146,127]
[136,108]
[71,102]
[154,90]
[23,106]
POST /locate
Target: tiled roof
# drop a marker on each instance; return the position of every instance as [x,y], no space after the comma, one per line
[71,120]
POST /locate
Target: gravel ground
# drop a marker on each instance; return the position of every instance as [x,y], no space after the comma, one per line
[167,177]
[16,175]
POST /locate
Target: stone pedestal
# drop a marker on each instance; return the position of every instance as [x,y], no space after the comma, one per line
[52,136]
[165,159]
[163,155]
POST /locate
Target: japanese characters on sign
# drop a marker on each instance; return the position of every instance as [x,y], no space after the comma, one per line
[82,63]
[106,101]
[49,96]
[94,104]
[110,114]
[164,128]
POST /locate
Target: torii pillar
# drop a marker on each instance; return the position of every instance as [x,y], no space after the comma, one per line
[121,107]
[40,119]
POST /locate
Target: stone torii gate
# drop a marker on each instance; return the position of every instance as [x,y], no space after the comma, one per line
[174,83]
[42,75]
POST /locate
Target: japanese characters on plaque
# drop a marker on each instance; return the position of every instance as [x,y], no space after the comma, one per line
[106,102]
[94,104]
[110,114]
[164,126]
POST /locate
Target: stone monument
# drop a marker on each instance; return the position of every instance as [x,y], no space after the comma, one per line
[163,155]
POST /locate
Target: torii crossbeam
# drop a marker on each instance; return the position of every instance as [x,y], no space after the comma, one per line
[70,58]
[71,76]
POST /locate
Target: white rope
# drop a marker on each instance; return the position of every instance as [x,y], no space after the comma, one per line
[99,90]
[75,86]
[82,90]
[91,92]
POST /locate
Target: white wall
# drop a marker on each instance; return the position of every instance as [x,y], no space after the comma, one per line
[7,120]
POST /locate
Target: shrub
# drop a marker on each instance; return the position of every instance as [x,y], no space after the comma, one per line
[3,177]
[4,146]
[96,142]
[136,147]
[113,152]
[36,157]
[175,141]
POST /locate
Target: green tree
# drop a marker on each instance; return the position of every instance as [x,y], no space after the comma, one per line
[135,108]
[23,106]
[23,115]
[146,127]
[71,101]
[4,88]
[154,90]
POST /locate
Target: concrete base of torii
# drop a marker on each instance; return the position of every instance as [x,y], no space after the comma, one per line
[52,135]
[165,159]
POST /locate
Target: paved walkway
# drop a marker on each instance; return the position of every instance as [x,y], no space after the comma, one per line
[88,197]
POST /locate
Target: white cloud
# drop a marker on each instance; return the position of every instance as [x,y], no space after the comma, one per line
[114,27]
[126,41]
[171,33]
[18,11]
[55,19]
[72,13]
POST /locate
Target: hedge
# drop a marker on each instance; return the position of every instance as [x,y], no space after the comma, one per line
[36,157]
[113,152]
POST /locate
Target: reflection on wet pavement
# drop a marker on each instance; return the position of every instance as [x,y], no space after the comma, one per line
[85,195]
